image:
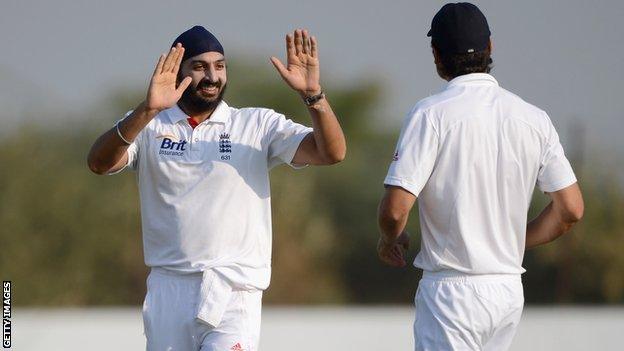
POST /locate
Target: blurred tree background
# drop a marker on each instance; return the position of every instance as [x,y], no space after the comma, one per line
[69,237]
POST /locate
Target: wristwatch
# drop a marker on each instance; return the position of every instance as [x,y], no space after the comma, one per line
[311,100]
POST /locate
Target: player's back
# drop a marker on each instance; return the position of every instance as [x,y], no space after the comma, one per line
[475,152]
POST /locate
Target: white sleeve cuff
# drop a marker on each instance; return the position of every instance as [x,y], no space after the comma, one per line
[556,186]
[407,185]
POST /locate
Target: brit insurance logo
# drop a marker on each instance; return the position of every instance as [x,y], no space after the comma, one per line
[171,145]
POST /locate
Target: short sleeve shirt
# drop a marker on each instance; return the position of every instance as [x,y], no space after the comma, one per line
[205,196]
[473,154]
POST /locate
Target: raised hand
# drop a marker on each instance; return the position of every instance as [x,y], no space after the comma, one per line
[302,70]
[163,92]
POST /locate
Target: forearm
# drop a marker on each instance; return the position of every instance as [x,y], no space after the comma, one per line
[328,136]
[391,229]
[391,223]
[546,227]
[109,148]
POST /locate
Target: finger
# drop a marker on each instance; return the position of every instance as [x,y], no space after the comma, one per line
[159,65]
[184,84]
[392,257]
[399,248]
[298,42]
[398,254]
[395,250]
[313,47]
[179,52]
[176,66]
[395,262]
[306,42]
[283,71]
[399,257]
[386,259]
[169,60]
[290,45]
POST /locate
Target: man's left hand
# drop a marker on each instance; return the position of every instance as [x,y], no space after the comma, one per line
[302,71]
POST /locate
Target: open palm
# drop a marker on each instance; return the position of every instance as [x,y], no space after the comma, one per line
[302,70]
[163,91]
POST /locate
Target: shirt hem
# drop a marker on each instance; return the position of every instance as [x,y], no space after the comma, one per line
[556,186]
[298,139]
[407,185]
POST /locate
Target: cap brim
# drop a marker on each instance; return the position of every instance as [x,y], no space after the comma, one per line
[429,33]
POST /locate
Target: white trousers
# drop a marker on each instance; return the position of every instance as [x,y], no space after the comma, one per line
[467,312]
[170,310]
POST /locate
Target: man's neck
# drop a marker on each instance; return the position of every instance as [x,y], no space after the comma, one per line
[197,116]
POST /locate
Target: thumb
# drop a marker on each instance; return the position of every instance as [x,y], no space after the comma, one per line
[279,66]
[404,240]
[184,84]
[406,244]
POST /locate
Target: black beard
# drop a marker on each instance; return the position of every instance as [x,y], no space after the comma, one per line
[195,103]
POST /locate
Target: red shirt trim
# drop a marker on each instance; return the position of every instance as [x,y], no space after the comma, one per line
[192,122]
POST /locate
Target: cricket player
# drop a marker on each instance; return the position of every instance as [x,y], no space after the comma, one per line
[472,155]
[203,176]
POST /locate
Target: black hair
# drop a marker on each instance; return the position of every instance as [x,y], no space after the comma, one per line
[454,65]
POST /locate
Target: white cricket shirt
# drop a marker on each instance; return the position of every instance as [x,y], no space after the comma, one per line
[205,196]
[473,154]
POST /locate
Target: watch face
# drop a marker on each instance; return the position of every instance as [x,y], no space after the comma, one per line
[312,99]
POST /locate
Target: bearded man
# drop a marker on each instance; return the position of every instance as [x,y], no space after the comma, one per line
[203,174]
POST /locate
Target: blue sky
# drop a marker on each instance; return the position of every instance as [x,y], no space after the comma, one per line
[565,57]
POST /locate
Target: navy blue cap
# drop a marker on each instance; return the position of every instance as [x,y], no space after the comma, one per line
[459,28]
[196,41]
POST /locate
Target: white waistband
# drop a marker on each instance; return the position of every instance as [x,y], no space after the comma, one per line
[455,276]
[169,272]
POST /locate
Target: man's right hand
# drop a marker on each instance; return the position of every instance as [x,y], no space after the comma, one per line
[565,209]
[109,152]
[163,92]
[393,253]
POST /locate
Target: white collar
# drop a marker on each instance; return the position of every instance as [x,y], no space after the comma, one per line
[472,78]
[220,115]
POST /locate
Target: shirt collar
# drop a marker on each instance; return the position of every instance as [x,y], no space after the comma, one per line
[220,115]
[472,78]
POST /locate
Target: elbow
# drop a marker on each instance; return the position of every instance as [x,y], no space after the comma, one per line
[391,216]
[97,170]
[336,157]
[575,213]
[96,167]
[332,160]
[571,205]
